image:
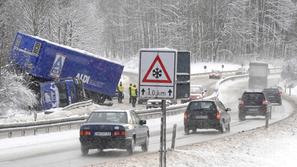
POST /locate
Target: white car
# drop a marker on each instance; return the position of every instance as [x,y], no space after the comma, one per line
[196,92]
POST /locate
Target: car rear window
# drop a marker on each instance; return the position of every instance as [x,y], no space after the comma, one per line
[108,117]
[253,98]
[271,91]
[202,105]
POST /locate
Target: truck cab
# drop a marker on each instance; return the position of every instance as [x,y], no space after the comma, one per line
[61,93]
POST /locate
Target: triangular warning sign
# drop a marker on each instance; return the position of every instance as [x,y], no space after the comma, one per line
[156,74]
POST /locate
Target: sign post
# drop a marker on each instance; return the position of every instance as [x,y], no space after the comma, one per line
[157,80]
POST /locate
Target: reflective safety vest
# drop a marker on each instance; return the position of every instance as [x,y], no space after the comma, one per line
[133,91]
[121,88]
[130,87]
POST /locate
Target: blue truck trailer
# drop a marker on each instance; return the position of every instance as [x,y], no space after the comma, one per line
[59,69]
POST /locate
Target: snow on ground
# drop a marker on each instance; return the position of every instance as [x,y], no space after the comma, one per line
[132,66]
[273,147]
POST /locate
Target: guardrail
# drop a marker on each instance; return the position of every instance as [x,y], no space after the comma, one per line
[32,128]
[78,105]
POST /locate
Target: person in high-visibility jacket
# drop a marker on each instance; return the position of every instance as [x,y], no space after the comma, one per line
[133,95]
[130,99]
[120,90]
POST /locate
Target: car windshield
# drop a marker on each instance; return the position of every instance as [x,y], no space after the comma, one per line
[202,105]
[270,90]
[108,117]
[253,98]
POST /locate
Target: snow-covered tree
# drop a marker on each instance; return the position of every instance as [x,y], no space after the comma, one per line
[14,94]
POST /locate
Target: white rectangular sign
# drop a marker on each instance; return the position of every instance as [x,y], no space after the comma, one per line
[156,92]
[157,72]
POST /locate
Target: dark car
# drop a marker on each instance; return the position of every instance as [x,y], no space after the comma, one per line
[274,95]
[108,129]
[206,114]
[253,104]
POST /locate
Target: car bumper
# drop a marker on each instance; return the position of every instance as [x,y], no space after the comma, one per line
[203,124]
[253,111]
[104,142]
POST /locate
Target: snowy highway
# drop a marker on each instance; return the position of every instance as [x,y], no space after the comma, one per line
[63,148]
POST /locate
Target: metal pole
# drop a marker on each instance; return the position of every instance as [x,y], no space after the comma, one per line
[164,129]
[267,117]
[173,137]
[161,142]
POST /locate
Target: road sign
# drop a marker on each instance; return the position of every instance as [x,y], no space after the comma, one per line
[183,76]
[157,73]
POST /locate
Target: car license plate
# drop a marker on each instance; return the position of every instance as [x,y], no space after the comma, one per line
[102,134]
[253,109]
[201,117]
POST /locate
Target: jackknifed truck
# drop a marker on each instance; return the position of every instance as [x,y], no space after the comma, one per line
[63,75]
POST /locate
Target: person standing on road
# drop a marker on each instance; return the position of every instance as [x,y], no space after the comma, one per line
[120,92]
[133,95]
[130,98]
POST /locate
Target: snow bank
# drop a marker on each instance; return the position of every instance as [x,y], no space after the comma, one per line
[131,65]
[273,147]
[15,97]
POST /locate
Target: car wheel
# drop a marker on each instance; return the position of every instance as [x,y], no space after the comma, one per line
[99,150]
[131,147]
[241,117]
[228,127]
[84,150]
[144,146]
[187,131]
[222,128]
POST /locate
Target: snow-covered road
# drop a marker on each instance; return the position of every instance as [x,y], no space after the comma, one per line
[63,149]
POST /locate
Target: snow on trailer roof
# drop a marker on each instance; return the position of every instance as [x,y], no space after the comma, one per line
[71,48]
[158,49]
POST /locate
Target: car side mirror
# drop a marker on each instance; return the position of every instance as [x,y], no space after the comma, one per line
[228,109]
[142,122]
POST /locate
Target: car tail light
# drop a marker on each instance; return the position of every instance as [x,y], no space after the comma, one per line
[241,102]
[119,133]
[218,115]
[186,116]
[265,102]
[85,132]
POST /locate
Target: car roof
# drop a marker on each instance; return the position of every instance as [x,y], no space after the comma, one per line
[199,100]
[108,110]
[274,88]
[252,92]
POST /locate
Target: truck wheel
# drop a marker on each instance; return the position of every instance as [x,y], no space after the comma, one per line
[131,147]
[84,150]
[101,99]
[144,146]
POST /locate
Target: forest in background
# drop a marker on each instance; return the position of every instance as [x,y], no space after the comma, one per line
[213,30]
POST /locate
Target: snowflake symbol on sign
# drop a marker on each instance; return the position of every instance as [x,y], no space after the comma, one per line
[157,73]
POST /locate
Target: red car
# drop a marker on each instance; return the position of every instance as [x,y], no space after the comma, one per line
[215,75]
